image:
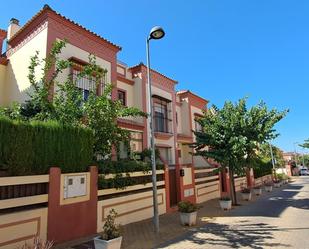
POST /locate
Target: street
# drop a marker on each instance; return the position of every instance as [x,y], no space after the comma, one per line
[276,220]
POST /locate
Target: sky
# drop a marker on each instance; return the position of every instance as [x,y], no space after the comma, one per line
[219,49]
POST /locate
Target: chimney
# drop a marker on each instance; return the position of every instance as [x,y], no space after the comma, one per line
[13,28]
[2,38]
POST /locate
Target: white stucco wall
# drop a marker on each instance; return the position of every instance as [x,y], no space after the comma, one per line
[72,51]
[2,81]
[16,81]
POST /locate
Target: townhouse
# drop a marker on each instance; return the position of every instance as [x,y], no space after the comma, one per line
[174,112]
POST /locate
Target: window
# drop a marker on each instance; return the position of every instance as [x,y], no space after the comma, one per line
[136,145]
[197,125]
[136,141]
[86,84]
[161,115]
[122,97]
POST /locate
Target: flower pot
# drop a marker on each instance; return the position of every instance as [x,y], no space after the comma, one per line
[188,219]
[257,191]
[246,196]
[277,184]
[107,244]
[268,188]
[226,205]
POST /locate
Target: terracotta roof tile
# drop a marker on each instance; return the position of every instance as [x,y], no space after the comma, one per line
[142,65]
[48,8]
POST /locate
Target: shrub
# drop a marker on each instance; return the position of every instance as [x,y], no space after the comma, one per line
[246,191]
[187,207]
[262,168]
[110,229]
[29,148]
[225,198]
[124,166]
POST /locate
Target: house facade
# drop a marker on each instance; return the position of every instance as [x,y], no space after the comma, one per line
[174,112]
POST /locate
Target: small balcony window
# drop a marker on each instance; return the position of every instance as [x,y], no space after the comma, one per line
[161,115]
[86,84]
[122,97]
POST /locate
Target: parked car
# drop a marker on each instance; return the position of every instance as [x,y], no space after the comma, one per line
[304,172]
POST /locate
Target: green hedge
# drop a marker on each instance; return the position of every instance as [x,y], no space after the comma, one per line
[262,168]
[32,148]
[124,166]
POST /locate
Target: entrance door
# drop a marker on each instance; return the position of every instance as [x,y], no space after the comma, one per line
[173,186]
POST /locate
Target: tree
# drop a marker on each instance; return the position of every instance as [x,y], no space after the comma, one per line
[67,106]
[306,144]
[232,135]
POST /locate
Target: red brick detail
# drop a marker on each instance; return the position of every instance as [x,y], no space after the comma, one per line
[183,187]
[163,136]
[71,221]
[127,124]
[157,79]
[194,99]
[250,178]
[48,12]
[3,34]
[124,80]
[225,182]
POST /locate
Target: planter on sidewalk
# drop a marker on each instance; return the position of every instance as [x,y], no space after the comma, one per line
[268,188]
[277,184]
[246,194]
[257,190]
[107,244]
[111,237]
[188,213]
[225,203]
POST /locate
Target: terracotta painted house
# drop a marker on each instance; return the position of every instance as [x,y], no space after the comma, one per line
[174,112]
[49,211]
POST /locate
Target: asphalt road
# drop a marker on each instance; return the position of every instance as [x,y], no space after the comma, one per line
[276,220]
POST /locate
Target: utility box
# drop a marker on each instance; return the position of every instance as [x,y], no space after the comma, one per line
[75,186]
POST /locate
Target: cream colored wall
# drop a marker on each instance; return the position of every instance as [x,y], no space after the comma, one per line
[17,83]
[169,142]
[2,81]
[133,98]
[240,183]
[120,70]
[186,157]
[72,51]
[20,227]
[130,208]
[185,118]
[207,191]
[187,179]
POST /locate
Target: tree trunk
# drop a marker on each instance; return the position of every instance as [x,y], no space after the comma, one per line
[232,187]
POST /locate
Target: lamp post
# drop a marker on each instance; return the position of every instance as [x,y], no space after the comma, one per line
[272,159]
[156,33]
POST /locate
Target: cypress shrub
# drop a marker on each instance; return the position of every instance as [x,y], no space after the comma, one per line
[32,148]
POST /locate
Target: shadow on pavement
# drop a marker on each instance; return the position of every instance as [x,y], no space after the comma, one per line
[251,235]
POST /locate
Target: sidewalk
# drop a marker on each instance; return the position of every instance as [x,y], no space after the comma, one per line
[140,235]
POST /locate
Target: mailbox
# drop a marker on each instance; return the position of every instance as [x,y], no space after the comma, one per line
[182,172]
[75,185]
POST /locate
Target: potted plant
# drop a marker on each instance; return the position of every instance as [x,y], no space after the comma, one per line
[188,213]
[246,194]
[225,203]
[268,187]
[277,184]
[257,190]
[111,237]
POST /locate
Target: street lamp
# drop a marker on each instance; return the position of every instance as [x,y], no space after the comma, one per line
[272,159]
[156,33]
